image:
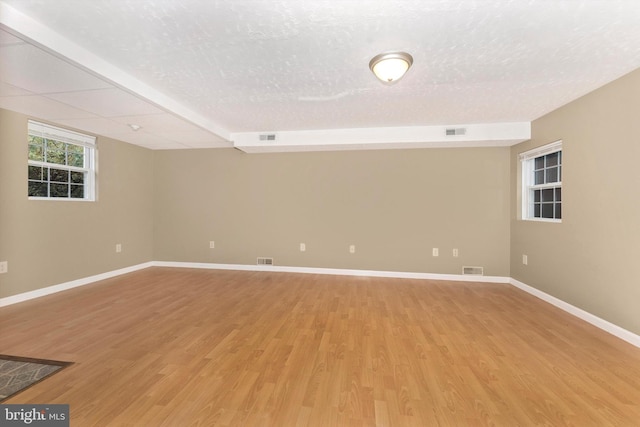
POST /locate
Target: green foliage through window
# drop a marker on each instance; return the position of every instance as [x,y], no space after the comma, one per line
[58,167]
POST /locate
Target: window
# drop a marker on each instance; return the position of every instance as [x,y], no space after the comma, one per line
[542,183]
[61,163]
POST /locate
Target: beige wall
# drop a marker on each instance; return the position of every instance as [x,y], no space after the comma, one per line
[590,259]
[50,242]
[394,205]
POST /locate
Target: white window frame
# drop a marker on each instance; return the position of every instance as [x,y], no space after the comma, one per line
[88,142]
[527,160]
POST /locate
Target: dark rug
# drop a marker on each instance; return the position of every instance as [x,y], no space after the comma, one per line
[20,373]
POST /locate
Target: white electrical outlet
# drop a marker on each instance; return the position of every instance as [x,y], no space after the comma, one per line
[212,244]
[436,252]
[455,253]
[525,260]
[303,247]
[118,247]
[352,249]
[4,266]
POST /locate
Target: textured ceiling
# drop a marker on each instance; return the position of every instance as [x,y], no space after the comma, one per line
[227,68]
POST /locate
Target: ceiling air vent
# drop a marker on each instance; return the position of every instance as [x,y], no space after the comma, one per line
[473,271]
[268,137]
[265,261]
[455,131]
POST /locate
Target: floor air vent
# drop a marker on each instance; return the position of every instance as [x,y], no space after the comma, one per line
[265,261]
[473,271]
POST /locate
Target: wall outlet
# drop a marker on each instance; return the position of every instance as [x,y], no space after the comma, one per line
[436,252]
[4,266]
[212,244]
[352,249]
[455,253]
[303,247]
[118,247]
[525,260]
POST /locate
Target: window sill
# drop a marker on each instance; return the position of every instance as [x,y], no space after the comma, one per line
[61,199]
[556,221]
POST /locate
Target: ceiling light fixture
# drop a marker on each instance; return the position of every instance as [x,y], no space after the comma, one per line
[391,66]
[135,127]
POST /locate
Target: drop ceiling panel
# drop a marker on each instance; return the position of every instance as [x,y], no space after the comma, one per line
[99,126]
[9,90]
[7,39]
[110,102]
[163,122]
[196,138]
[32,69]
[155,142]
[41,107]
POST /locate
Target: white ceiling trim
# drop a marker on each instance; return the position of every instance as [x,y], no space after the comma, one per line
[23,26]
[475,135]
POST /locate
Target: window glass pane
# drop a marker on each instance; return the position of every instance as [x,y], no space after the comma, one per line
[77,191]
[59,190]
[35,172]
[35,140]
[547,210]
[558,194]
[55,156]
[559,210]
[55,145]
[37,189]
[559,173]
[551,159]
[74,159]
[539,177]
[76,149]
[59,175]
[539,162]
[77,177]
[552,175]
[36,152]
[536,210]
[547,195]
[536,195]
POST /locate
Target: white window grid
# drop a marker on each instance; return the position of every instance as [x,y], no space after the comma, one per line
[87,142]
[527,160]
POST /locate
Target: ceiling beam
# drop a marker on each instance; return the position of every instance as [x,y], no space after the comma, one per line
[473,135]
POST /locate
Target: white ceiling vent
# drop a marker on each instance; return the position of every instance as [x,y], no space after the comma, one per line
[473,271]
[267,137]
[455,131]
[265,261]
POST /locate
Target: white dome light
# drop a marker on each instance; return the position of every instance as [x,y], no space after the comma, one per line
[390,67]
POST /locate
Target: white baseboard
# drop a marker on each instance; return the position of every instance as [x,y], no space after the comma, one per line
[336,271]
[596,321]
[14,299]
[609,327]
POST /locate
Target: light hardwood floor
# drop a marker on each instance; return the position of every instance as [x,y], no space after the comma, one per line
[181,347]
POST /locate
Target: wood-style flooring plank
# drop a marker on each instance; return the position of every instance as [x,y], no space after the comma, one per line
[181,347]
